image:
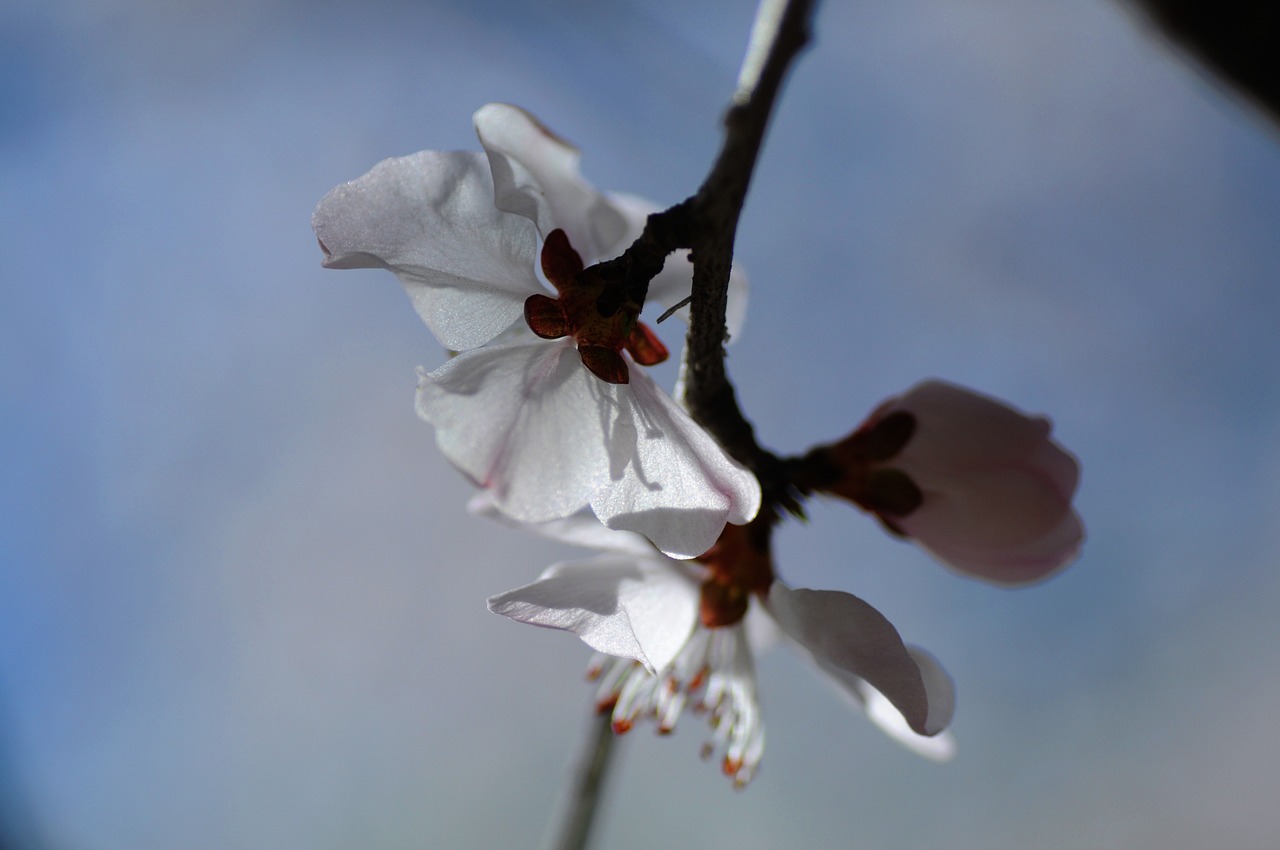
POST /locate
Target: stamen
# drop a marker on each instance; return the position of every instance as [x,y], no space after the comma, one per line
[713,674]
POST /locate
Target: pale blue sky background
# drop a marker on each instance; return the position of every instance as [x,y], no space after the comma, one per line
[241,605]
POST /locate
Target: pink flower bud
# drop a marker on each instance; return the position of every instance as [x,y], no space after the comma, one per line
[993,490]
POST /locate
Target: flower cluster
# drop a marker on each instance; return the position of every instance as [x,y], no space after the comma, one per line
[547,408]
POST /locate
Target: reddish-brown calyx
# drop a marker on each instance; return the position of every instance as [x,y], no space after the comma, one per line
[865,478]
[575,312]
[739,566]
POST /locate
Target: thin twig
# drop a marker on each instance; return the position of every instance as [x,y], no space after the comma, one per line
[583,800]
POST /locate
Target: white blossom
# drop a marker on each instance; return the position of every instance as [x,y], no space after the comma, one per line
[663,647]
[547,425]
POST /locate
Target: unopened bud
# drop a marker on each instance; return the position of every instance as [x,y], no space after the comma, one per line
[979,484]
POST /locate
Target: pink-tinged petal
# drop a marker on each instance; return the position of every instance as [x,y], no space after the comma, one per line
[994,508]
[524,421]
[618,605]
[535,175]
[670,481]
[580,529]
[1026,562]
[429,217]
[939,747]
[854,644]
[674,283]
[958,429]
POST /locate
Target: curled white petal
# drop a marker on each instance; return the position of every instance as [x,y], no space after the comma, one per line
[581,529]
[670,480]
[854,644]
[535,175]
[467,266]
[938,747]
[619,605]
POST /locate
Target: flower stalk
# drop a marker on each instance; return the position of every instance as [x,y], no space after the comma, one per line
[582,800]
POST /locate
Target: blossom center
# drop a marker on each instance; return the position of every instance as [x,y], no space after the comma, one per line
[713,675]
[583,311]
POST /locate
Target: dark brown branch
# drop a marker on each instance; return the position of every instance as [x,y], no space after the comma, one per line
[707,224]
[630,273]
[716,208]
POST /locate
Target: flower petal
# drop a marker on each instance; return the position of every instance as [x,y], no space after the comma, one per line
[535,175]
[939,747]
[429,217]
[580,529]
[1010,564]
[992,508]
[524,421]
[671,481]
[618,605]
[958,430]
[854,644]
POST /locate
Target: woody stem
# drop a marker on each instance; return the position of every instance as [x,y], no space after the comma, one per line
[706,224]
